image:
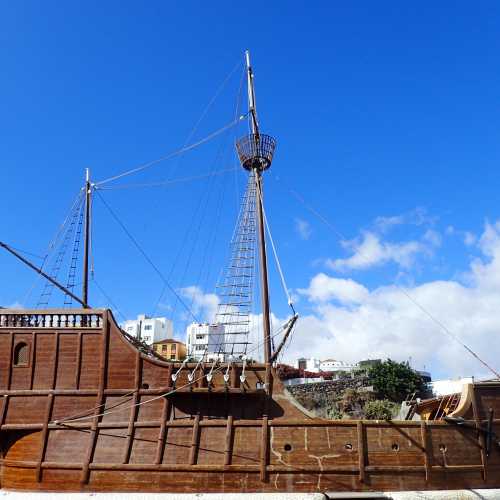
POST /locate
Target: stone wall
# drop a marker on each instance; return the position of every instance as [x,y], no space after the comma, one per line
[344,397]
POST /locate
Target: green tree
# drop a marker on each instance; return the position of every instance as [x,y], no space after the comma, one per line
[395,381]
[380,409]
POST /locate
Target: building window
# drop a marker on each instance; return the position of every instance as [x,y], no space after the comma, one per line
[164,348]
[148,327]
[200,337]
[21,354]
[173,348]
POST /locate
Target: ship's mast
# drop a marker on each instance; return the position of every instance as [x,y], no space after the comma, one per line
[88,194]
[256,153]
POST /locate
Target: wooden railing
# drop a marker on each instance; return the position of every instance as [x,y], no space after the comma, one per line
[80,318]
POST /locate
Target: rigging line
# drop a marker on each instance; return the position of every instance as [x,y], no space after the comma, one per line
[166,394]
[52,245]
[20,250]
[174,153]
[398,287]
[145,255]
[170,181]
[207,108]
[106,296]
[273,246]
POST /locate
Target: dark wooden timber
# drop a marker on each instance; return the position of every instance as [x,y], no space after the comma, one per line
[425,449]
[41,273]
[480,437]
[218,438]
[86,241]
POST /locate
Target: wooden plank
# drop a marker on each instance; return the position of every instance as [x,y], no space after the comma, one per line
[32,358]
[195,440]
[44,437]
[162,437]
[481,441]
[103,366]
[3,410]
[361,451]
[56,360]
[425,448]
[228,449]
[133,409]
[264,448]
[11,354]
[78,367]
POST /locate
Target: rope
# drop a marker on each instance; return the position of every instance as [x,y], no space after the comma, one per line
[145,255]
[398,287]
[106,296]
[166,394]
[171,181]
[174,153]
[273,246]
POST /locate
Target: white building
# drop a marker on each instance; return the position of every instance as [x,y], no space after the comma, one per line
[308,364]
[332,365]
[205,340]
[148,329]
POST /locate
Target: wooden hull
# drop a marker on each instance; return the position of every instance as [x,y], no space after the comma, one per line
[229,437]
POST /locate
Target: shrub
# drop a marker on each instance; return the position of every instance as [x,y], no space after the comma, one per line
[380,409]
[395,381]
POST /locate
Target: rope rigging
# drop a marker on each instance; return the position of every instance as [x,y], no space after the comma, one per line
[436,321]
[70,420]
[179,152]
[145,255]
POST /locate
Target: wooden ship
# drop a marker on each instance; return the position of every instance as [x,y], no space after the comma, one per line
[85,408]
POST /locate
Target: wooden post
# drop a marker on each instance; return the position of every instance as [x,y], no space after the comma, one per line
[195,440]
[11,354]
[134,409]
[361,451]
[264,449]
[482,444]
[228,449]
[56,360]
[103,368]
[78,368]
[32,358]
[44,437]
[425,446]
[160,449]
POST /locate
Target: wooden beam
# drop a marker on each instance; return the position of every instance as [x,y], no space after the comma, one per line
[228,449]
[44,437]
[361,451]
[480,438]
[162,437]
[78,363]
[264,449]
[133,409]
[425,447]
[32,359]
[103,368]
[195,440]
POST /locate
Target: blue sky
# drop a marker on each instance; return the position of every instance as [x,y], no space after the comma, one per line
[387,122]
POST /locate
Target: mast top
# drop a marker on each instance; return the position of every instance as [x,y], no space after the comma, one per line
[255,150]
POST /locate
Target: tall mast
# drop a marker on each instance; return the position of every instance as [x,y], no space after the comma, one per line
[256,153]
[88,194]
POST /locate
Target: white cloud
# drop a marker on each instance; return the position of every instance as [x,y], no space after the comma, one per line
[303,228]
[203,305]
[433,237]
[385,323]
[323,288]
[416,217]
[469,238]
[371,251]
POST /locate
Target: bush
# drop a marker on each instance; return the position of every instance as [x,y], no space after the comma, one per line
[395,381]
[380,409]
